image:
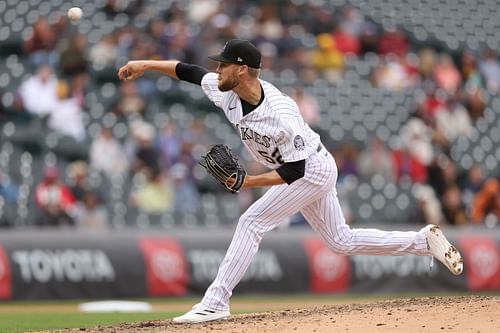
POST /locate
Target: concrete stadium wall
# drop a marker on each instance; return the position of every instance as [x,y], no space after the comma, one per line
[68,264]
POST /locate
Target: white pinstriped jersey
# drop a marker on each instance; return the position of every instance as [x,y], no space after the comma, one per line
[273,133]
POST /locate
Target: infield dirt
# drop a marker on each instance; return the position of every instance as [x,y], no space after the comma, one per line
[427,314]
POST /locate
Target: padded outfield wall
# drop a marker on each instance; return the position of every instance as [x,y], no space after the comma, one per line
[68,264]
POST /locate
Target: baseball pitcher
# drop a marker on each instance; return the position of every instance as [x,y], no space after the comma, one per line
[302,178]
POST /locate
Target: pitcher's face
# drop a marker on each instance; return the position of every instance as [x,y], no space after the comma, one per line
[228,76]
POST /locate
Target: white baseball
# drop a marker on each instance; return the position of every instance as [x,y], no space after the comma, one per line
[75,13]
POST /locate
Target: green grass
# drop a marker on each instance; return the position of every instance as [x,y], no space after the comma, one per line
[24,322]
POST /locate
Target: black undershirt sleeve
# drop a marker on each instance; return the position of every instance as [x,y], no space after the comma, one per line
[190,73]
[292,171]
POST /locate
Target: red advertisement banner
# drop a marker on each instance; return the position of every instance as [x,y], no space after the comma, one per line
[329,272]
[5,276]
[166,266]
[482,262]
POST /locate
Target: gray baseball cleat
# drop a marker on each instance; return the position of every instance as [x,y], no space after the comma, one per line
[201,313]
[441,249]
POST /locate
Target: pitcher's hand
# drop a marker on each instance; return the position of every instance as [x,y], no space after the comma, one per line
[132,70]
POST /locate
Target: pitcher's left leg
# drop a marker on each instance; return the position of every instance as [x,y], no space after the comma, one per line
[326,217]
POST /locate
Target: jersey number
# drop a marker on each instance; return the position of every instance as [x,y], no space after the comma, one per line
[274,158]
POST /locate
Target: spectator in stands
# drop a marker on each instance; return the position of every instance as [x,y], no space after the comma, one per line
[52,215]
[308,106]
[486,205]
[394,74]
[181,43]
[269,25]
[407,166]
[8,190]
[129,101]
[107,154]
[352,21]
[39,92]
[369,38]
[470,73]
[428,206]
[90,212]
[78,181]
[475,103]
[427,61]
[157,29]
[434,101]
[327,58]
[442,173]
[453,207]
[346,157]
[3,110]
[434,109]
[155,195]
[416,137]
[54,200]
[187,197]
[169,144]
[41,44]
[146,157]
[283,35]
[346,42]
[66,116]
[446,74]
[115,7]
[78,89]
[453,121]
[489,66]
[472,184]
[195,135]
[393,41]
[73,57]
[377,160]
[104,53]
[321,21]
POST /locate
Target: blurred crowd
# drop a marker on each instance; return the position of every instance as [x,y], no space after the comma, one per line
[306,38]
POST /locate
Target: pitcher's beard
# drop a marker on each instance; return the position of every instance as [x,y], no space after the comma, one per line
[228,85]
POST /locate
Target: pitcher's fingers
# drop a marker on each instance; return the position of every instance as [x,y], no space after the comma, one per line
[123,73]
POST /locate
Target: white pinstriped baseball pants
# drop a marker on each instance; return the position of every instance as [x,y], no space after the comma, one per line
[315,196]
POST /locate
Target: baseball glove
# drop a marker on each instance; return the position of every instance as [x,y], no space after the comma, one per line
[223,166]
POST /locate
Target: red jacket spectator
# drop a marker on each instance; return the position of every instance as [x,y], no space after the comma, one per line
[406,164]
[51,191]
[393,42]
[346,43]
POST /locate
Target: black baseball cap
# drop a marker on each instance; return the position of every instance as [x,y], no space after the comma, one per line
[239,51]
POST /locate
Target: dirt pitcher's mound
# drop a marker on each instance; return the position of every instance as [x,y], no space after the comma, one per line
[428,314]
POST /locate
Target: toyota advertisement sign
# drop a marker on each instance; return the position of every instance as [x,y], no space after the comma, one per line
[63,265]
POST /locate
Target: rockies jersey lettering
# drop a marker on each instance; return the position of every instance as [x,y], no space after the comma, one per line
[275,132]
[248,134]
